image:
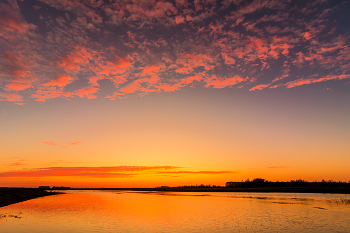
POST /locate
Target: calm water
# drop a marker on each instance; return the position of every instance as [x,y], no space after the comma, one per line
[97,211]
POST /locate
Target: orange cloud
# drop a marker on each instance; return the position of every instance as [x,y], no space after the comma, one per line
[11,20]
[10,97]
[217,82]
[74,143]
[179,19]
[50,143]
[116,95]
[76,59]
[61,144]
[120,171]
[18,85]
[188,62]
[47,92]
[113,70]
[87,92]
[199,172]
[167,87]
[61,81]
[115,171]
[16,164]
[259,87]
[303,81]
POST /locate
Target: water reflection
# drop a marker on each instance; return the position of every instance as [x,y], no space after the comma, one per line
[110,211]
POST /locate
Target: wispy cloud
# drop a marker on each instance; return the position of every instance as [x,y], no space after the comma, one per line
[117,171]
[61,144]
[16,164]
[200,172]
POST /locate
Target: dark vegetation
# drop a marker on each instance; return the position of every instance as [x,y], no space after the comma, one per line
[262,183]
[10,196]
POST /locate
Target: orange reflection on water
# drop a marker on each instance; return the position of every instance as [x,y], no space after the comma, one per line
[112,211]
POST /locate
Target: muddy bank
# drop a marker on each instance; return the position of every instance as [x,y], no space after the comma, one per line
[10,196]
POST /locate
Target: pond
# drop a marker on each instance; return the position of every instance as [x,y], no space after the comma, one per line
[115,211]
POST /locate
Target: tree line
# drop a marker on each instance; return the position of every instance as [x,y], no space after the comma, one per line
[262,183]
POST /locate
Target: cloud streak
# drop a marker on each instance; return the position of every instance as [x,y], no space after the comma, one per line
[61,144]
[105,172]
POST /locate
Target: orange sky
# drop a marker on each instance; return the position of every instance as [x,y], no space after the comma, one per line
[176,139]
[150,93]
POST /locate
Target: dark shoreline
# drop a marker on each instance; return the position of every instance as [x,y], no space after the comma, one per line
[10,196]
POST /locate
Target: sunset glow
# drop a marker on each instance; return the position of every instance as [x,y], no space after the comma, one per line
[145,93]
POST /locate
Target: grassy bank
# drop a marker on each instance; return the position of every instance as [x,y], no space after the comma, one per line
[10,196]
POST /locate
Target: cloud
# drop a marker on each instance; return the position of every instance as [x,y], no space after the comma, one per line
[11,19]
[116,171]
[141,47]
[16,164]
[61,81]
[50,143]
[200,172]
[77,59]
[259,87]
[87,92]
[74,143]
[216,82]
[303,81]
[61,144]
[119,171]
[47,92]
[10,97]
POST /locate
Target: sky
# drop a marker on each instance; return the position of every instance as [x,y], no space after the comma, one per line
[144,93]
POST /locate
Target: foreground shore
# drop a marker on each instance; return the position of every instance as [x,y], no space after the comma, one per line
[10,196]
